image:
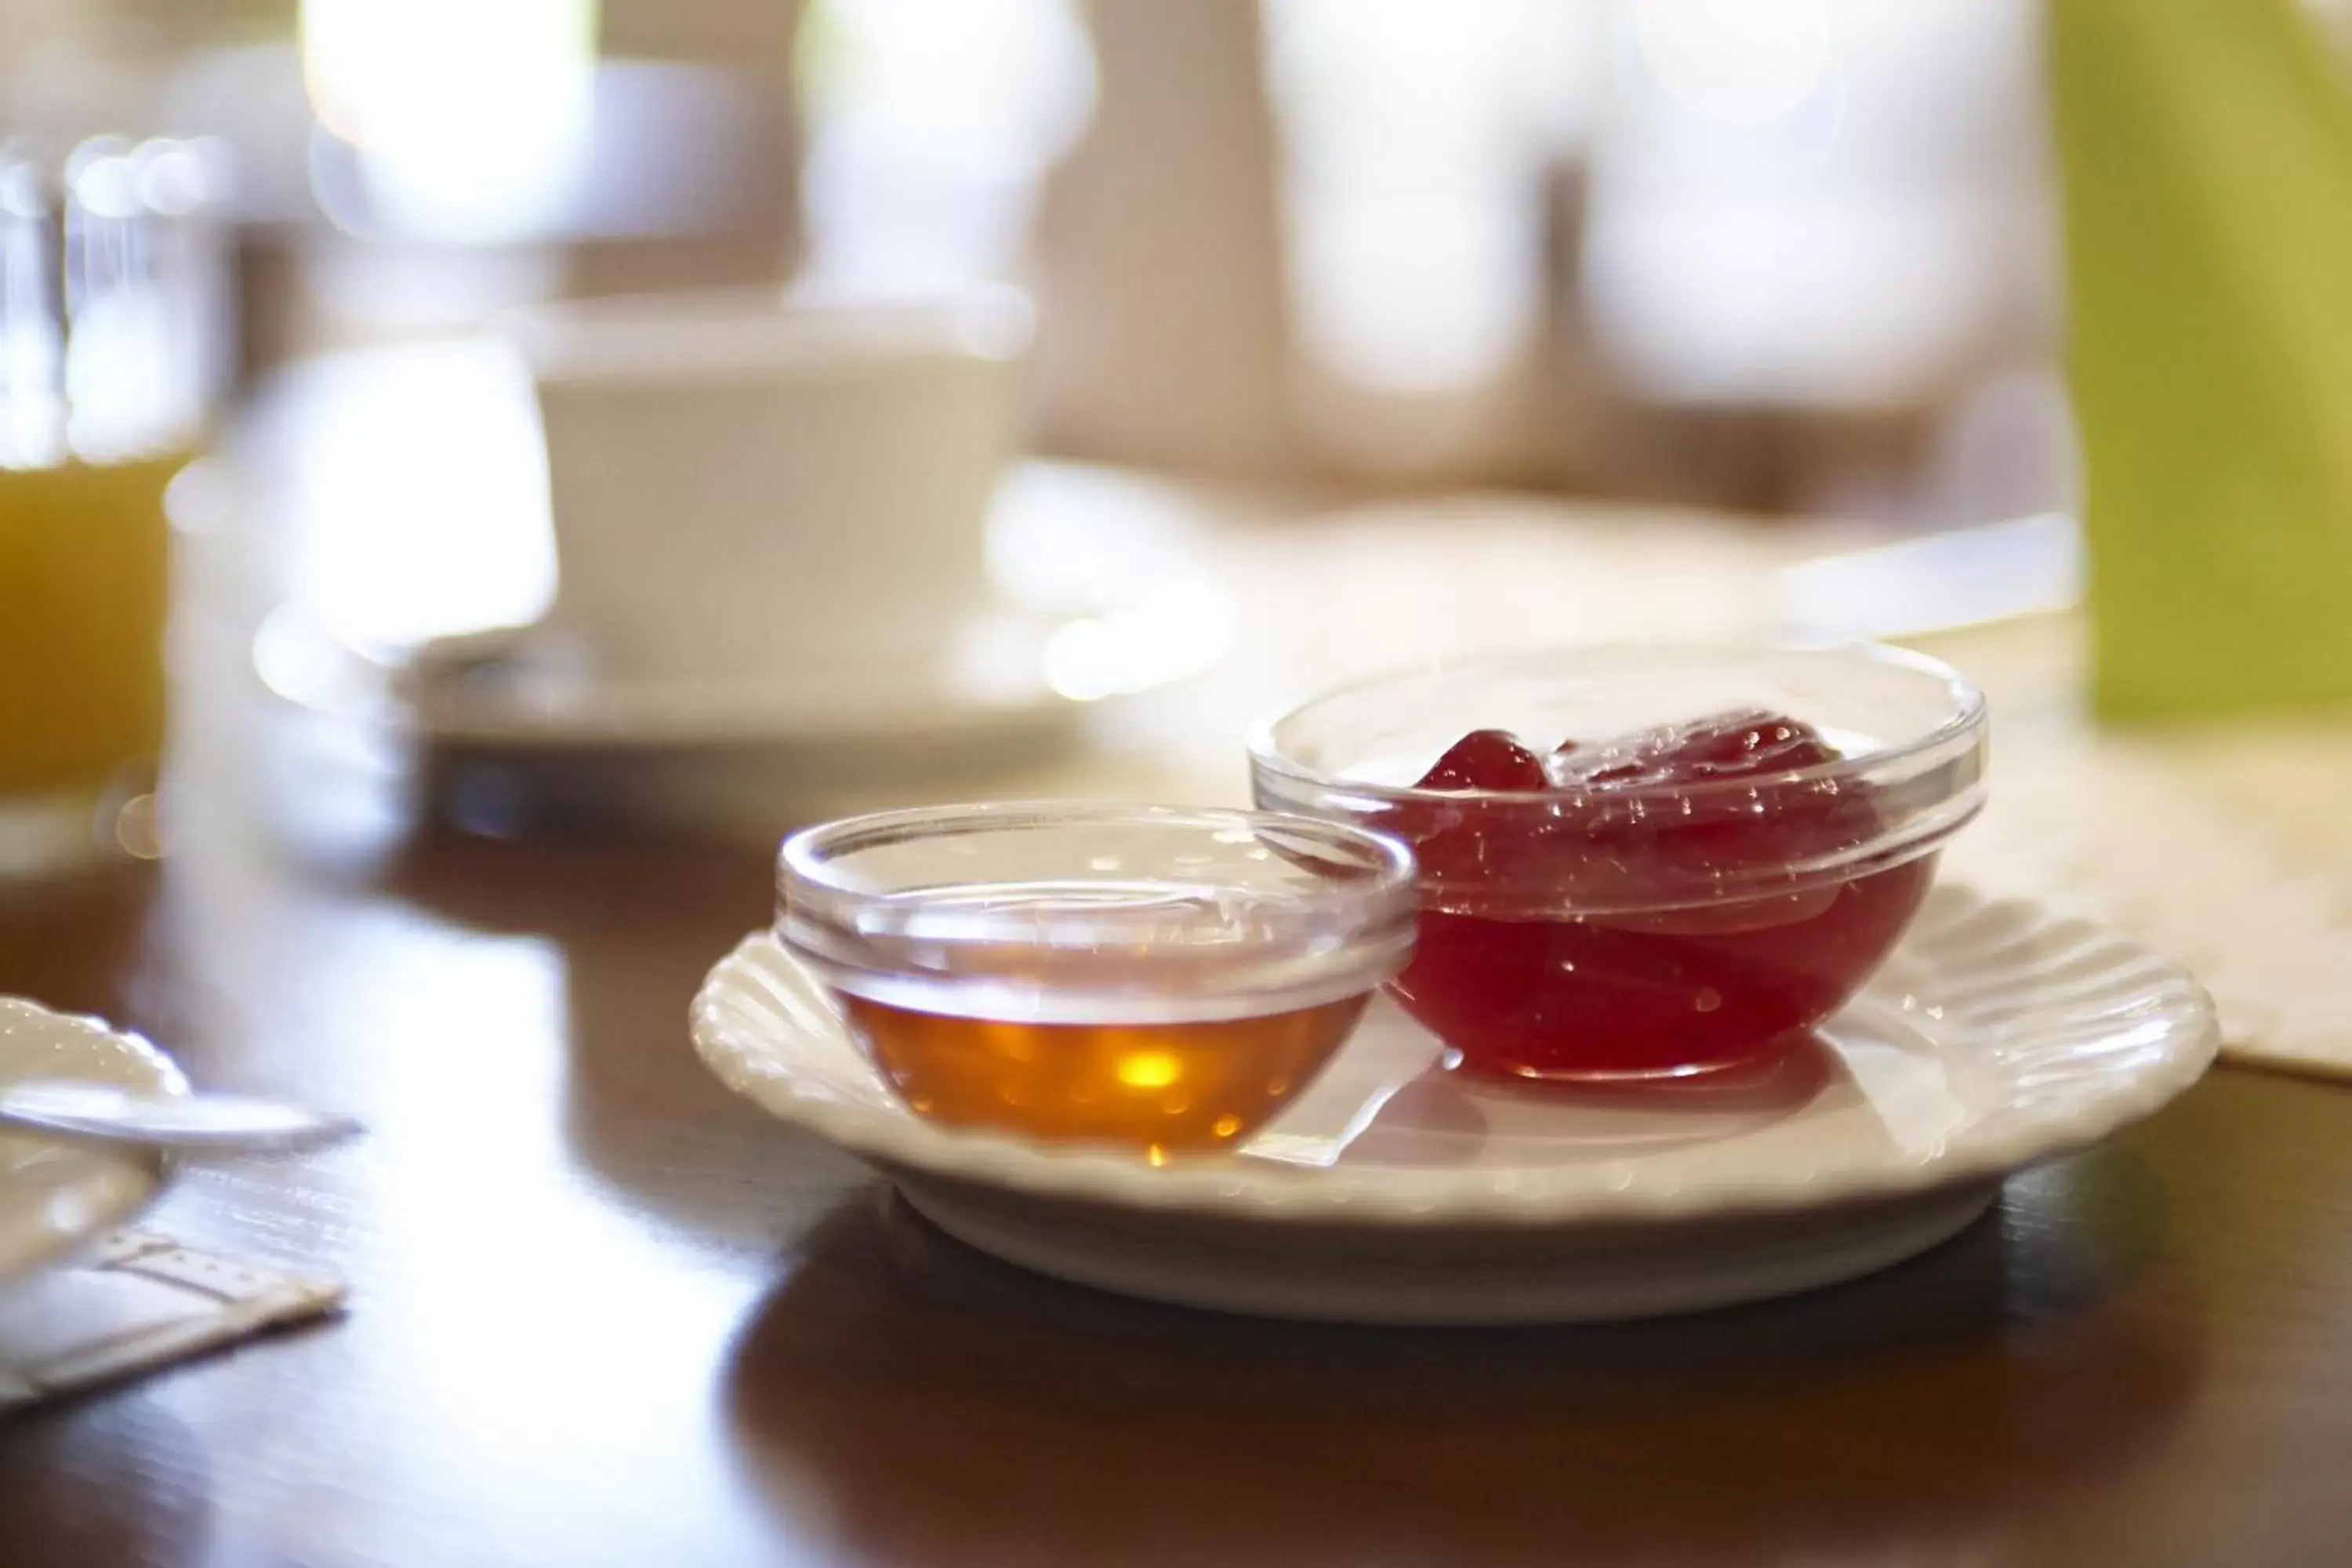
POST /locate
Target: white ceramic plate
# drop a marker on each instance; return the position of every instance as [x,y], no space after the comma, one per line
[56,1197]
[1997,1036]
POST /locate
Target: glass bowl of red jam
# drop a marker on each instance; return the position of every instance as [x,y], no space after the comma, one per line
[1156,977]
[1643,865]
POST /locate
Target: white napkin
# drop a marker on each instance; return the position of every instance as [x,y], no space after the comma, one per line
[2134,836]
[140,1302]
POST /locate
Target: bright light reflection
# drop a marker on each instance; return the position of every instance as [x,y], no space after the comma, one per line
[1138,648]
[1149,1069]
[469,118]
[416,495]
[1118,562]
[1740,62]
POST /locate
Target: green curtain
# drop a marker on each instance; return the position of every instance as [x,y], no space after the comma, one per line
[2206,151]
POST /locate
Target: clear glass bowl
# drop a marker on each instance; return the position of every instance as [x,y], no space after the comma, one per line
[1160,977]
[1655,926]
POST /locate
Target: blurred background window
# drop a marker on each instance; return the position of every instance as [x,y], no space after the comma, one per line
[1779,255]
[930,129]
[1810,202]
[469,120]
[1417,141]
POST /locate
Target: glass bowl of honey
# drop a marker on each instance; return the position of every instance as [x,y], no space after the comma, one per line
[1644,864]
[1157,977]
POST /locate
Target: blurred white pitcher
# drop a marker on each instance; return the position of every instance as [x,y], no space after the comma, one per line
[742,486]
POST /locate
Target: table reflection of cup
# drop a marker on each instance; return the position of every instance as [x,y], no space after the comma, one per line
[109,339]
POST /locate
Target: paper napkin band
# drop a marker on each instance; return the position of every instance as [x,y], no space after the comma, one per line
[140,1302]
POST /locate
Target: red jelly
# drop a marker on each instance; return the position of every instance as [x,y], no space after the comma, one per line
[1666,903]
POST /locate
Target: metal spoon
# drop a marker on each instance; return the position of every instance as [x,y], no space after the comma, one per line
[195,1125]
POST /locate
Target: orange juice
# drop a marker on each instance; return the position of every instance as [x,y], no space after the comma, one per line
[82,596]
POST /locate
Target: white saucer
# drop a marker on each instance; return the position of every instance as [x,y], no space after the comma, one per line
[1102,584]
[57,1196]
[1997,1036]
[525,689]
[536,742]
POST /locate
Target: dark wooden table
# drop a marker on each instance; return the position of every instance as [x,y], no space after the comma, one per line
[601,1313]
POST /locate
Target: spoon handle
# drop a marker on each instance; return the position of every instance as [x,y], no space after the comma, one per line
[187,1124]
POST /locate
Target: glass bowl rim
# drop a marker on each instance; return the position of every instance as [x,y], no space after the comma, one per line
[1349,908]
[1965,722]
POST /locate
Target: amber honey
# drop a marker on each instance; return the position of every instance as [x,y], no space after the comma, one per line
[1168,1087]
[1161,979]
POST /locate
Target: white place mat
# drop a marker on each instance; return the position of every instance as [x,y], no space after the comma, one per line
[141,1301]
[2143,838]
[2226,846]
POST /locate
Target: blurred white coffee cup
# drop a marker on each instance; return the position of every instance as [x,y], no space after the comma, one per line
[742,485]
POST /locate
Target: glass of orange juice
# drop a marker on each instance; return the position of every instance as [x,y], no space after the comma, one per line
[109,333]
